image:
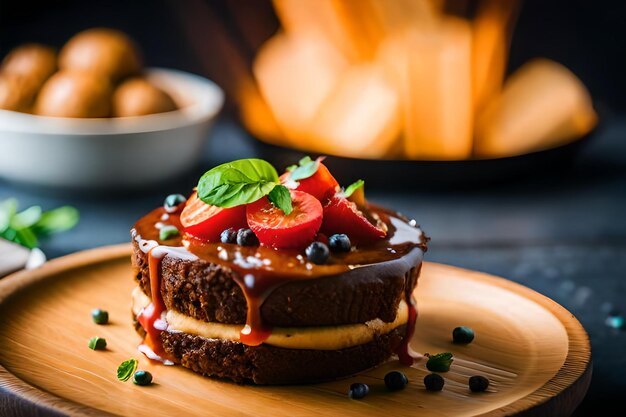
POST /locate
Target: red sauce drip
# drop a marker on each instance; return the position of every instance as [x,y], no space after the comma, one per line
[256,291]
[149,316]
[404,352]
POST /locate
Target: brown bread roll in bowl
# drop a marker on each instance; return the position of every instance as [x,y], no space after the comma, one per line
[137,97]
[107,52]
[74,94]
[32,61]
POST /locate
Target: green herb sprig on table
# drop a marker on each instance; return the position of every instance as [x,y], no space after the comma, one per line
[440,362]
[241,182]
[126,369]
[28,226]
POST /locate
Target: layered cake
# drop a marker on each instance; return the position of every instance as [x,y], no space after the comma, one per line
[275,280]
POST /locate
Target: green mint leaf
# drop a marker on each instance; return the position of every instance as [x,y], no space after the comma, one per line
[307,168]
[236,183]
[168,232]
[440,362]
[26,218]
[126,369]
[281,198]
[350,189]
[57,220]
[97,343]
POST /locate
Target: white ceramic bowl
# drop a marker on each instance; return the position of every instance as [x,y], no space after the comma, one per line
[115,152]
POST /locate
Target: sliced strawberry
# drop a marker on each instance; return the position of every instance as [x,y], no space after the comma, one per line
[343,216]
[321,185]
[276,229]
[206,222]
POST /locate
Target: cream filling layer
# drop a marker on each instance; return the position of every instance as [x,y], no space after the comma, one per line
[319,338]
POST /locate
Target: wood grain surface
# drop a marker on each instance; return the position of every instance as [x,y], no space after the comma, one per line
[535,353]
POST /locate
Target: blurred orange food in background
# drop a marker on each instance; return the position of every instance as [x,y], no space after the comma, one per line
[407,79]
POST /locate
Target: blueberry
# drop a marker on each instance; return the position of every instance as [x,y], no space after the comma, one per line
[396,380]
[100,316]
[463,335]
[433,382]
[172,201]
[317,252]
[339,243]
[229,235]
[358,390]
[142,378]
[478,383]
[246,237]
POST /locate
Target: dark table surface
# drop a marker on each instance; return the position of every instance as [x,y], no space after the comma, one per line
[562,234]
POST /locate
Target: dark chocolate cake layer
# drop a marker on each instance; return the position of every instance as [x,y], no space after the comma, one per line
[209,292]
[267,364]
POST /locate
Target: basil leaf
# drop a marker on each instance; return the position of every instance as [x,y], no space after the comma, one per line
[307,168]
[57,220]
[353,187]
[126,369]
[281,198]
[236,183]
[440,362]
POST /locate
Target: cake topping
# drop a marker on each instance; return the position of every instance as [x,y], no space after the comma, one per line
[279,230]
[317,252]
[172,202]
[244,217]
[339,242]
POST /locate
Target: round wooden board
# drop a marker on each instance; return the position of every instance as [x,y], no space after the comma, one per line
[535,353]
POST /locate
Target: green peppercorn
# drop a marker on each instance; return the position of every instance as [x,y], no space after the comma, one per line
[99,316]
[142,378]
[463,335]
[478,383]
[97,343]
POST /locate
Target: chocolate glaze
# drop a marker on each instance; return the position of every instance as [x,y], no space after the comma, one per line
[260,270]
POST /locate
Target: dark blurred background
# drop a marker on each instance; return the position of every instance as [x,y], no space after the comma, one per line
[562,234]
[587,37]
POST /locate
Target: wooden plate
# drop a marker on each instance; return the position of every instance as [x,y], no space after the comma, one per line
[535,353]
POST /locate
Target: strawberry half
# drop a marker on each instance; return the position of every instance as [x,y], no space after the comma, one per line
[277,230]
[321,185]
[343,216]
[206,222]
